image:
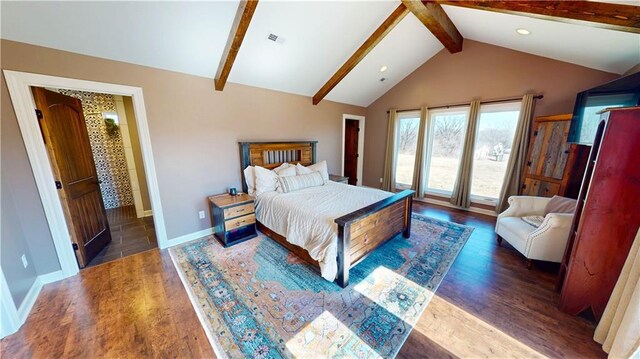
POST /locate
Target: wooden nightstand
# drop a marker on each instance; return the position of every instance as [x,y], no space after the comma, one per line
[340,179]
[234,218]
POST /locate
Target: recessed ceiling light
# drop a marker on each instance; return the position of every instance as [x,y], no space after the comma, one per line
[523,31]
[383,69]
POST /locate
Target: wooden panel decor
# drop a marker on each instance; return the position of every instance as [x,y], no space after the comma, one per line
[554,167]
[607,216]
[359,232]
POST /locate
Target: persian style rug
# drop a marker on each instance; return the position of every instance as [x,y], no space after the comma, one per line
[257,300]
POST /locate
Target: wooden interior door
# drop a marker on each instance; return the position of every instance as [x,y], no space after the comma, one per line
[65,134]
[351,133]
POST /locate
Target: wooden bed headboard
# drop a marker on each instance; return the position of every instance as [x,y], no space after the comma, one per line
[273,154]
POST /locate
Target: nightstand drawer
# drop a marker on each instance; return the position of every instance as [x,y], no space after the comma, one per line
[238,210]
[239,222]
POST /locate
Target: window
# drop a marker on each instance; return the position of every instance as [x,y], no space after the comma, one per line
[447,129]
[494,138]
[407,129]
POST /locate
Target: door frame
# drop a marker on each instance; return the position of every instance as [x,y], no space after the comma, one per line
[360,120]
[19,84]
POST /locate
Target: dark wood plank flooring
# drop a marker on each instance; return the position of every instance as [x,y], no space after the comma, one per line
[129,235]
[489,305]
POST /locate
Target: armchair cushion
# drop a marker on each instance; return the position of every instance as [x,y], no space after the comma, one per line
[535,221]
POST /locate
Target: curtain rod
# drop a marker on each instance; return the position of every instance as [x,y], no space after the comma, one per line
[536,97]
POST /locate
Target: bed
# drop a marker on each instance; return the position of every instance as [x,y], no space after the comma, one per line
[338,224]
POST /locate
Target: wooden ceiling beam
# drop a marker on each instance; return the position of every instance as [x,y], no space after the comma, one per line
[432,15]
[598,14]
[394,19]
[246,8]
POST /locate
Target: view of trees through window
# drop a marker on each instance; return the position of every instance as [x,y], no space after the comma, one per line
[448,129]
[494,138]
[407,142]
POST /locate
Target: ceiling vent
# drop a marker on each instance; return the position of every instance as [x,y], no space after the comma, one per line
[275,38]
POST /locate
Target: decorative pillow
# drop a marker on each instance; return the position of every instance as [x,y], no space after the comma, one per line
[535,221]
[250,180]
[287,172]
[295,183]
[282,167]
[318,167]
[559,204]
[266,180]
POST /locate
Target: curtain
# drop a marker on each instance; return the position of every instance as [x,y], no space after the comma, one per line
[419,179]
[518,156]
[461,195]
[619,327]
[389,176]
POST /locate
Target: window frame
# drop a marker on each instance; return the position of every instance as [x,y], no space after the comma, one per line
[429,150]
[490,201]
[401,116]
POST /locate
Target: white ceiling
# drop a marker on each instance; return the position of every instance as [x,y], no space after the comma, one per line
[190,37]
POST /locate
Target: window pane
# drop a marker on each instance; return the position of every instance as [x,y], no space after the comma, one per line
[494,138]
[406,144]
[447,130]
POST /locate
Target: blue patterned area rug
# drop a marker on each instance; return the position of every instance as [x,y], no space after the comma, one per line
[257,300]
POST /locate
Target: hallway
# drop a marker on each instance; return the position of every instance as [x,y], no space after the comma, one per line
[129,235]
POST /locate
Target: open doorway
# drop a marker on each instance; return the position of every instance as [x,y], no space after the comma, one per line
[352,148]
[93,148]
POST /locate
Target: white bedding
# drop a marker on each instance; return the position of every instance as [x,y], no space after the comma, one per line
[306,217]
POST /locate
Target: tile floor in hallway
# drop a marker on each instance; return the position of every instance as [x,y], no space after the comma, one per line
[129,235]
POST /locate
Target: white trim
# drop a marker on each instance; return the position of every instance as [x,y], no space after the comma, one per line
[29,300]
[18,316]
[147,213]
[217,348]
[9,321]
[19,84]
[190,237]
[51,277]
[361,123]
[449,205]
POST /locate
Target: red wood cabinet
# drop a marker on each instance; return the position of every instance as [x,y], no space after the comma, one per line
[607,215]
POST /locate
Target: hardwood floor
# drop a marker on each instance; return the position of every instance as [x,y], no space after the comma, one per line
[489,305]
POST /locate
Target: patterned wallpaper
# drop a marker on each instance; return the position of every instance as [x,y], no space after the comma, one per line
[108,151]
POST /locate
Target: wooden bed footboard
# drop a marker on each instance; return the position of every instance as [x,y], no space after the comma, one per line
[362,231]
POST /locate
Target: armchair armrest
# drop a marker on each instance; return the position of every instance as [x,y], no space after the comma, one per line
[548,241]
[520,206]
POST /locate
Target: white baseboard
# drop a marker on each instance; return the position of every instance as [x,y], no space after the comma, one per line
[30,299]
[51,277]
[189,237]
[449,205]
[148,213]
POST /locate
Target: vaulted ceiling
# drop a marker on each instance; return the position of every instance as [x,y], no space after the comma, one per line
[314,40]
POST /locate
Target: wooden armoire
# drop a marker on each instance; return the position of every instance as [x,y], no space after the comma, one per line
[607,215]
[554,167]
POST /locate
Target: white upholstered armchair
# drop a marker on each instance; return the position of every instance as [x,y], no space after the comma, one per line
[546,242]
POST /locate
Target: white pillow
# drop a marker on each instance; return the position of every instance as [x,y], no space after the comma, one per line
[250,180]
[283,166]
[318,167]
[266,180]
[295,183]
[287,172]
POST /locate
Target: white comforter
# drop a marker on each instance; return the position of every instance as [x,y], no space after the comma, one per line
[306,217]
